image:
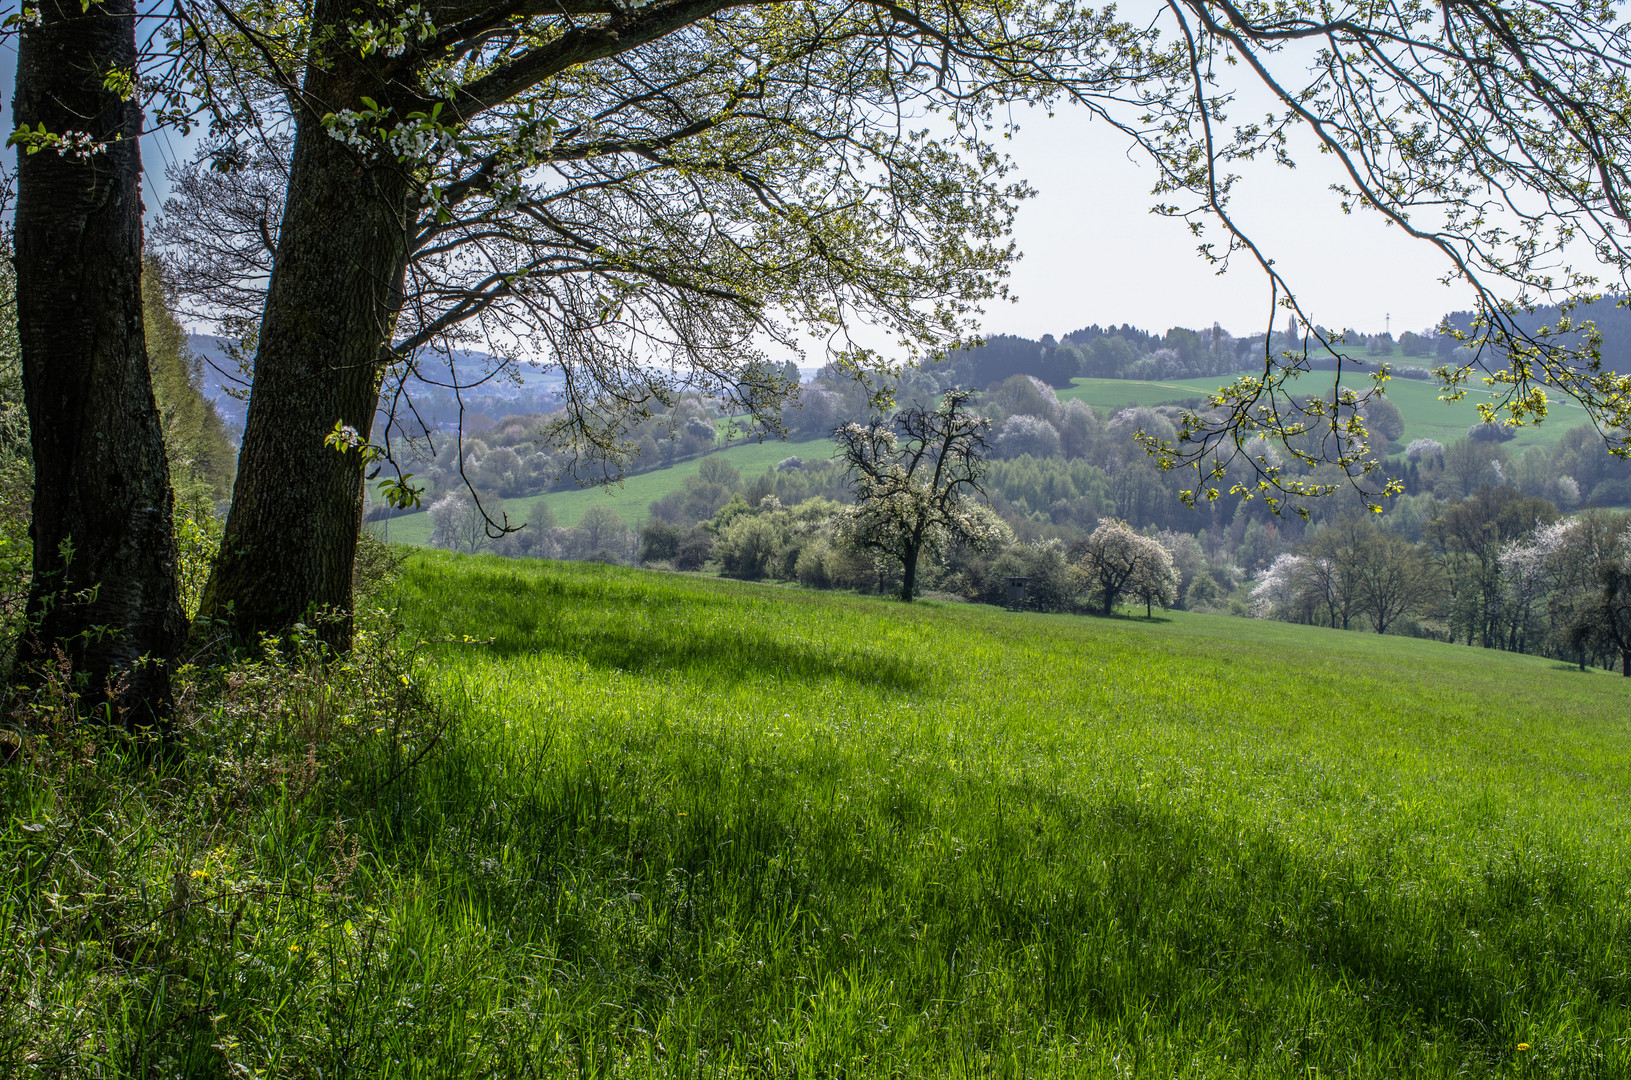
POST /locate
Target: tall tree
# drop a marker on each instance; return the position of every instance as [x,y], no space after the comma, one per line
[916,478]
[1115,561]
[766,136]
[104,589]
[644,194]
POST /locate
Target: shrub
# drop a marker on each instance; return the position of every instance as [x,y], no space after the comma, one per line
[659,540]
[694,549]
[747,546]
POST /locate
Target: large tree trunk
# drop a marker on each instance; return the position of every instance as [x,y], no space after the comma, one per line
[104,589]
[291,535]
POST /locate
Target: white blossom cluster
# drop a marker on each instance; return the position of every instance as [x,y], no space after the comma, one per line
[418,141]
[391,39]
[1276,587]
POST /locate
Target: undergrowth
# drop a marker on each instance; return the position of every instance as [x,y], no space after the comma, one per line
[145,904]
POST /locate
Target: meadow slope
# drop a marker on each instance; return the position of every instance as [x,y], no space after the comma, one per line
[694,827]
[1425,415]
[631,500]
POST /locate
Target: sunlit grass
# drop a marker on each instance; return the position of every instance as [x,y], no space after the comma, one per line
[680,826]
[794,833]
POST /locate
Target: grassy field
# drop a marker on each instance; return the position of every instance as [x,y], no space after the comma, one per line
[672,826]
[633,497]
[1425,416]
[724,829]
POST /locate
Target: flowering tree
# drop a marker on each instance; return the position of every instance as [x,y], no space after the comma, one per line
[1278,587]
[1155,582]
[1116,561]
[456,524]
[916,477]
[1529,567]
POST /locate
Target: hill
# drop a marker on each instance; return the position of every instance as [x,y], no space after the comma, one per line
[632,498]
[1425,415]
[758,831]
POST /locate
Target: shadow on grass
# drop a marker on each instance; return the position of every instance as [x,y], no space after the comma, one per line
[1069,911]
[1126,616]
[543,614]
[1591,669]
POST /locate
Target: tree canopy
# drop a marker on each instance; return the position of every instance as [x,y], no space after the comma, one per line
[657,196]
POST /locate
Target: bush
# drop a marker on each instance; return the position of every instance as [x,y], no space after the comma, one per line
[1492,433]
[155,911]
[1049,585]
[694,549]
[747,546]
[812,567]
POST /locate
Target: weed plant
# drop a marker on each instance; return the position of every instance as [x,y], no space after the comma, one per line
[167,919]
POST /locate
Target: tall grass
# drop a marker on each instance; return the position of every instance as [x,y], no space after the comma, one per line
[691,827]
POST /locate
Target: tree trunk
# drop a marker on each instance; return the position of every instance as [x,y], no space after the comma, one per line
[908,576]
[291,535]
[104,589]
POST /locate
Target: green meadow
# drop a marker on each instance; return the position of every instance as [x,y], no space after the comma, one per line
[672,826]
[1426,415]
[762,831]
[633,497]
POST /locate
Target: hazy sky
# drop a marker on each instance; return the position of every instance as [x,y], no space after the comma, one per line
[1094,254]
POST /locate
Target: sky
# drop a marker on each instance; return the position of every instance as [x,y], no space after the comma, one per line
[1093,253]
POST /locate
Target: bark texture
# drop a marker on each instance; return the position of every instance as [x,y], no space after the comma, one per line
[104,590]
[291,535]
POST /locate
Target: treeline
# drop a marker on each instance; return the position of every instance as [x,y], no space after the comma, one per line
[1500,569]
[1611,316]
[1123,352]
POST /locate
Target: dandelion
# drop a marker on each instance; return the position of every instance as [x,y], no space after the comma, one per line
[1522,1047]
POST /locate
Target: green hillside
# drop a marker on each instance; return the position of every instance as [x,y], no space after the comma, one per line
[724,829]
[1425,415]
[630,499]
[589,821]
